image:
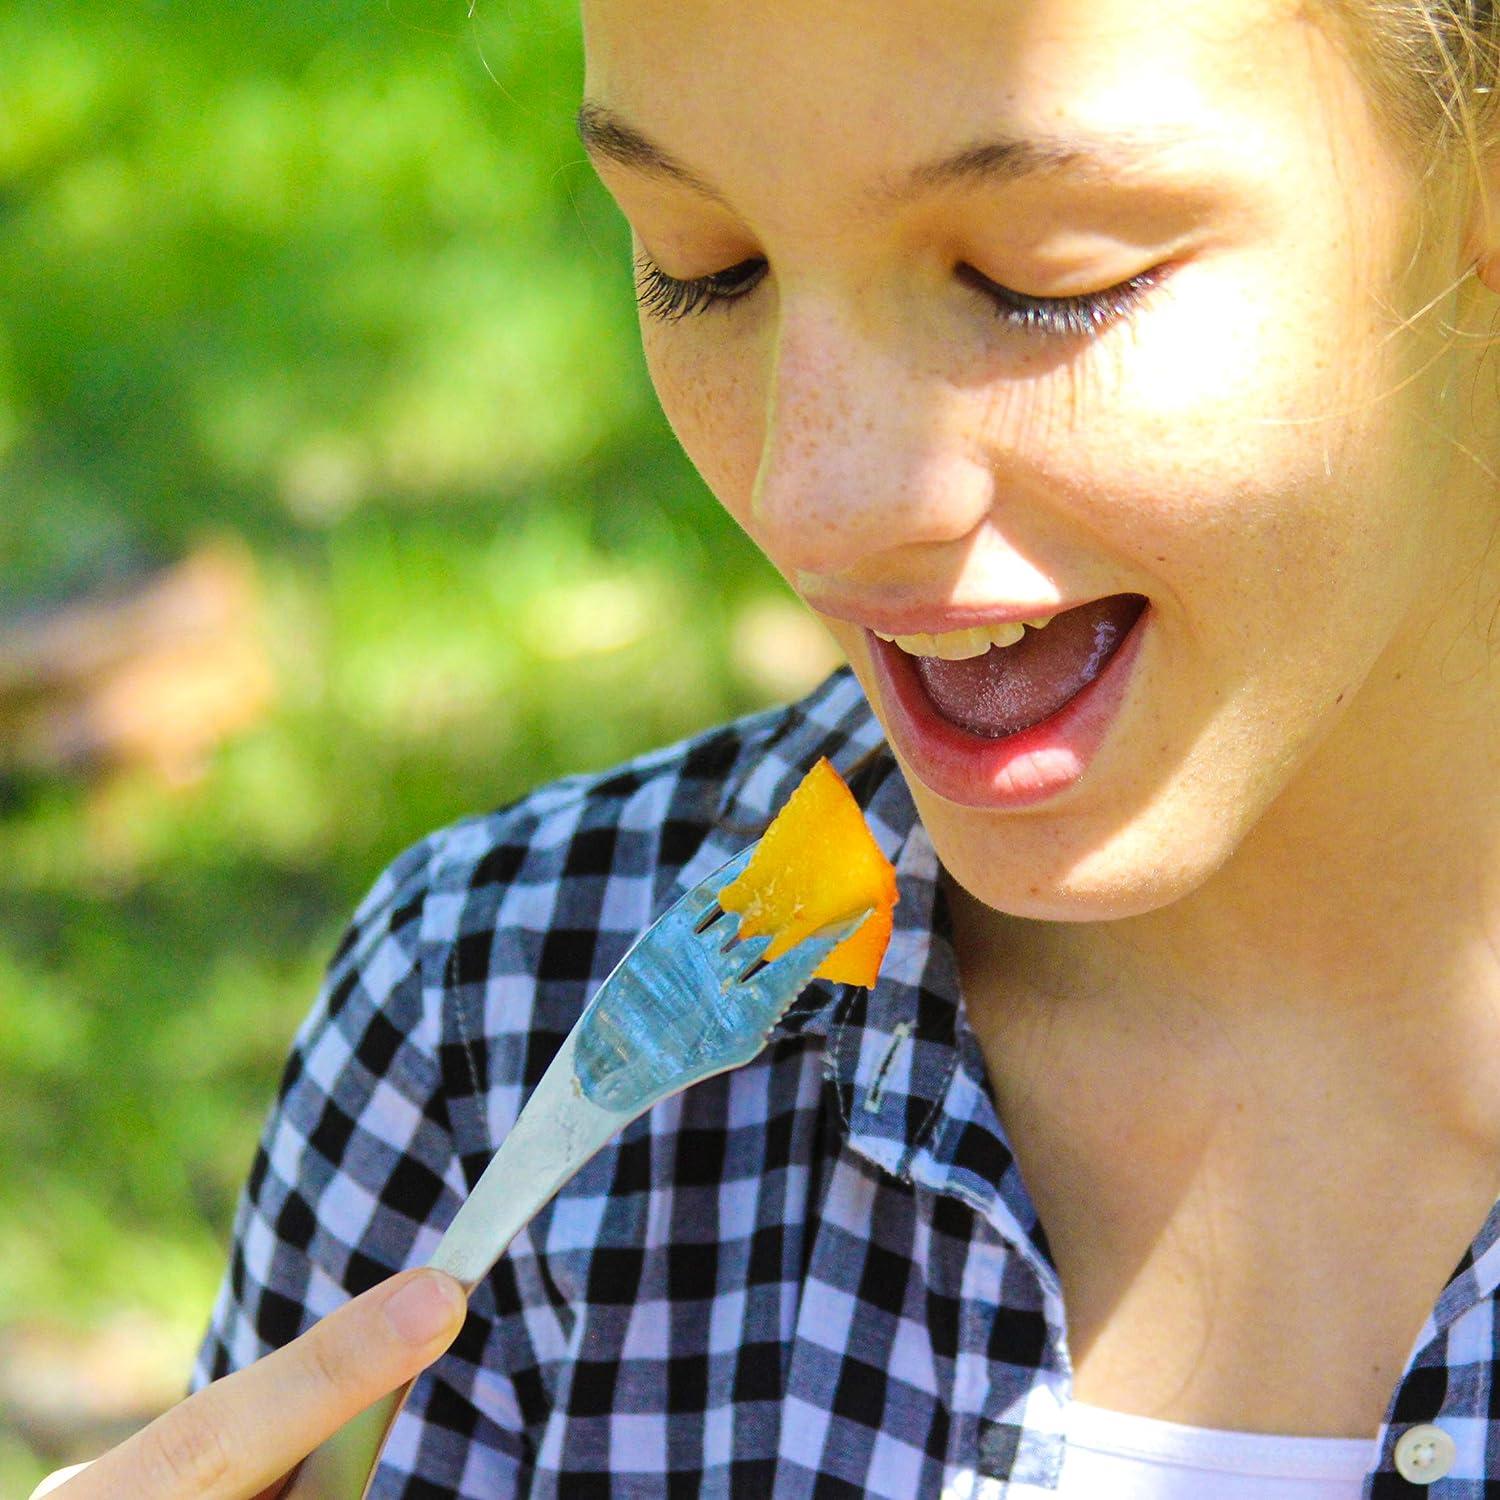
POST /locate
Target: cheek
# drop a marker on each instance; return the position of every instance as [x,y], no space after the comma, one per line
[715,405]
[1238,429]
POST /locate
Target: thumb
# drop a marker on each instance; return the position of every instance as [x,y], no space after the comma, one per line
[242,1434]
[419,1307]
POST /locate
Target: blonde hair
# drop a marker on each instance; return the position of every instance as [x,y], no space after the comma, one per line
[1434,71]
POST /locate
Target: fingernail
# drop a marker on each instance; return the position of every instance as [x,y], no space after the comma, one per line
[424,1307]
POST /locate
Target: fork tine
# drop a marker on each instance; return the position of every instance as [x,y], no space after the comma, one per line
[789,973]
[702,900]
[744,956]
[727,935]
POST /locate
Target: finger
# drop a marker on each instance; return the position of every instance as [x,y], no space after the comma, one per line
[239,1436]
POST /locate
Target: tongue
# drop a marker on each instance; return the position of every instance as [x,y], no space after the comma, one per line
[1010,688]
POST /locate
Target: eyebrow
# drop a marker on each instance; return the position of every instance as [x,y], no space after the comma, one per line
[606,134]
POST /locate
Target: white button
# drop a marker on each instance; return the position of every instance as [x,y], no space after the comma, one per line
[1424,1454]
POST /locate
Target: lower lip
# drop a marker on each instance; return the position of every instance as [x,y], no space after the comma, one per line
[1019,770]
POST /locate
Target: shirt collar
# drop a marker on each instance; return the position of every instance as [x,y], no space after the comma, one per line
[914,1092]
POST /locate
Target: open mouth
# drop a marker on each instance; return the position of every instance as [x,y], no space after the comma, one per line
[999,682]
[1008,715]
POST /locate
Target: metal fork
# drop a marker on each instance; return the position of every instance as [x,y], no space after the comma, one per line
[690,999]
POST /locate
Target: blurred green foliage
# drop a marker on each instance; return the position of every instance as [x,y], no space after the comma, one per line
[333,280]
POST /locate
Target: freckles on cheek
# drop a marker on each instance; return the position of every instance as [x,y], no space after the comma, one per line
[718,417]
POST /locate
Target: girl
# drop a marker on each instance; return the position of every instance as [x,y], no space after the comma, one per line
[1112,380]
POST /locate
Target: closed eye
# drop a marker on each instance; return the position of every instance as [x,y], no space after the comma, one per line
[668,299]
[1085,315]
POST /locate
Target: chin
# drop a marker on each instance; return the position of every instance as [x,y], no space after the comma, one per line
[1037,873]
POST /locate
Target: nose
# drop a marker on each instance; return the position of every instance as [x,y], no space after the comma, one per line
[864,447]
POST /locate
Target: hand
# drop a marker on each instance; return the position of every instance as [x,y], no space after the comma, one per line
[240,1438]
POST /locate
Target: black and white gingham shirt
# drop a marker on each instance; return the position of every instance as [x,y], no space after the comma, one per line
[819,1275]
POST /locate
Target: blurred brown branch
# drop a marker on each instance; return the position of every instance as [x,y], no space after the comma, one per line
[156,675]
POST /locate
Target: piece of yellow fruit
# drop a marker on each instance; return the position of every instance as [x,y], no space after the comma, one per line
[816,863]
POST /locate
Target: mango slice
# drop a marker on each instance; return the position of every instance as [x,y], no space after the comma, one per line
[816,863]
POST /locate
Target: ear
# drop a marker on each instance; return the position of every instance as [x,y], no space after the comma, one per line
[1482,246]
[1487,268]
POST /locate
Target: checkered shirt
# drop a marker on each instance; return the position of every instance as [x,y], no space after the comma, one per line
[817,1276]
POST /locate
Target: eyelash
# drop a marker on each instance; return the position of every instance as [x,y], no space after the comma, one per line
[1085,315]
[668,299]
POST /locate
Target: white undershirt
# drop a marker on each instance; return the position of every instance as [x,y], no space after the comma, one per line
[1122,1457]
[1139,1458]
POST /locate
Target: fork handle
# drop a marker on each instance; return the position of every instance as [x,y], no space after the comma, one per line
[554,1135]
[343,1466]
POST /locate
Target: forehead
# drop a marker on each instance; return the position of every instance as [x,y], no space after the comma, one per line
[884,73]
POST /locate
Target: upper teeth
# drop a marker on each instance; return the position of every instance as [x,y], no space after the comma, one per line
[959,645]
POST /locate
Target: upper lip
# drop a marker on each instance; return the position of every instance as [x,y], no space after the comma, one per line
[936,619]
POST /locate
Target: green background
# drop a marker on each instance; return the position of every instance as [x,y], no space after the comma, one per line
[333,284]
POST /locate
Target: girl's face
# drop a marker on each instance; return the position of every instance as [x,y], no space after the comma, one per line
[976,312]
